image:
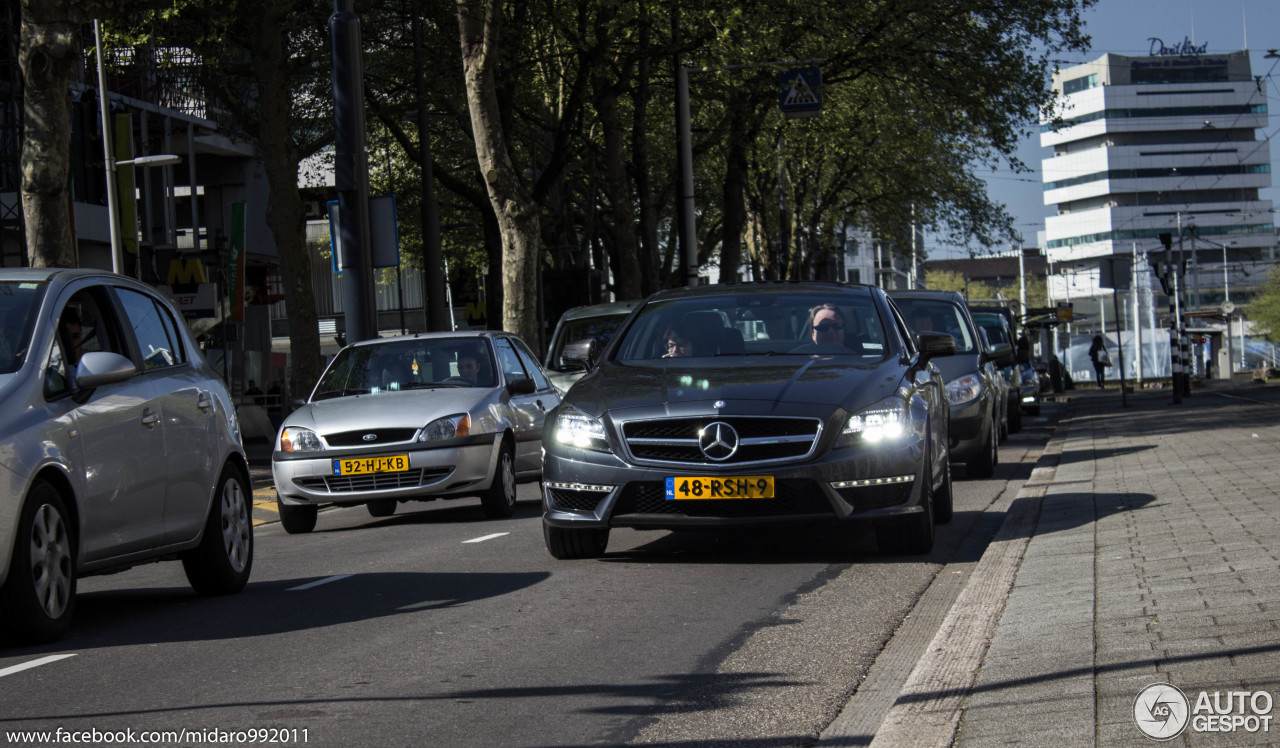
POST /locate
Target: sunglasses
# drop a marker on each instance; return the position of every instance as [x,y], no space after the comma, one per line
[828,326]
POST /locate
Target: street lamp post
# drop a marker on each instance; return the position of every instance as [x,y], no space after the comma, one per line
[109,159]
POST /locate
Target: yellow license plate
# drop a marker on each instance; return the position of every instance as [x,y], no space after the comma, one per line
[682,488]
[370,465]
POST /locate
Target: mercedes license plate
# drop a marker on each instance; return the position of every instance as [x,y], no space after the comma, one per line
[728,487]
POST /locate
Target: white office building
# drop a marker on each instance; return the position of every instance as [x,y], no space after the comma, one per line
[1149,145]
[1164,144]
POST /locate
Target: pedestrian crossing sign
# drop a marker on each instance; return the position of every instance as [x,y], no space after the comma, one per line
[800,92]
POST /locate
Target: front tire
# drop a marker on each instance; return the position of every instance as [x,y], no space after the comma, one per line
[911,535]
[564,543]
[221,564]
[297,520]
[499,500]
[944,498]
[984,465]
[39,596]
[381,507]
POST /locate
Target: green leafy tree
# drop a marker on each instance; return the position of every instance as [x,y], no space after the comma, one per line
[1264,310]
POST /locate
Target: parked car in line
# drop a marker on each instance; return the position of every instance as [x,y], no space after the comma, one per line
[1032,388]
[996,327]
[728,406]
[974,385]
[415,418]
[595,323]
[119,445]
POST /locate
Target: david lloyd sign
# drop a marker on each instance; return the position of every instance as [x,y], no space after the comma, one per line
[1185,48]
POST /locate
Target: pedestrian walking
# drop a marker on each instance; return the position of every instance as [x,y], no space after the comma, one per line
[1100,358]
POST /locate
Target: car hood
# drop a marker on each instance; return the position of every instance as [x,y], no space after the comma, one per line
[411,409]
[954,367]
[781,381]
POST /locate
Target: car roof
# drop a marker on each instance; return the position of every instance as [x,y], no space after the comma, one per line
[904,293]
[444,334]
[50,274]
[600,310]
[721,289]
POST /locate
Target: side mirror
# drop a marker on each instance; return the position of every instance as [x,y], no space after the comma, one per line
[1001,354]
[580,353]
[97,368]
[935,345]
[297,402]
[523,386]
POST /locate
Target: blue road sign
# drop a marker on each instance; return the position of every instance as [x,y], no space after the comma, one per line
[800,91]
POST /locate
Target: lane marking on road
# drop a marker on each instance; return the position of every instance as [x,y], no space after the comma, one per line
[265,491]
[483,538]
[34,663]
[317,583]
[269,506]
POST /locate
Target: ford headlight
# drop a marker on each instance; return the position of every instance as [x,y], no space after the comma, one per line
[884,421]
[577,429]
[294,439]
[449,427]
[964,389]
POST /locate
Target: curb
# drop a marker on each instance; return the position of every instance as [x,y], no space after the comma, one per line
[927,712]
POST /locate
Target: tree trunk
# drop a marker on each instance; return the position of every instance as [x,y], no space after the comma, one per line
[285,214]
[625,261]
[49,47]
[650,278]
[734,196]
[517,213]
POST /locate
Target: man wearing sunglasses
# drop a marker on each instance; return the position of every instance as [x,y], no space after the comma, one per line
[827,323]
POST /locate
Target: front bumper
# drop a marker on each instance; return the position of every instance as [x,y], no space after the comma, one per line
[451,470]
[586,489]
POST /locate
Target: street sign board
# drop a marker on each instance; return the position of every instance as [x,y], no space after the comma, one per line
[384,233]
[800,92]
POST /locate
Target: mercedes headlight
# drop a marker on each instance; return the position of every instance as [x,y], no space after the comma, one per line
[294,439]
[964,389]
[886,420]
[577,429]
[449,427]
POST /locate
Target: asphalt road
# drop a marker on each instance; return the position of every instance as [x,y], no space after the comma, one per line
[437,626]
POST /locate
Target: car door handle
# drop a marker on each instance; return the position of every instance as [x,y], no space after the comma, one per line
[150,419]
[204,403]
[540,405]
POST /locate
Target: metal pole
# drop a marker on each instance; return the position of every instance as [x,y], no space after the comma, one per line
[1135,284]
[1115,305]
[113,222]
[688,222]
[1175,352]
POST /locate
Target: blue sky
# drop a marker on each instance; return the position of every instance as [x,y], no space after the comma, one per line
[1125,27]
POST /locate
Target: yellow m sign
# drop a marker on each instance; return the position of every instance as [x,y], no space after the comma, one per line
[186,271]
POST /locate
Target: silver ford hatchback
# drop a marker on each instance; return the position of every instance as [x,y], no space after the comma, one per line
[118,445]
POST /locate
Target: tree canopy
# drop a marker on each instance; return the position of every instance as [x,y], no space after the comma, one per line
[919,97]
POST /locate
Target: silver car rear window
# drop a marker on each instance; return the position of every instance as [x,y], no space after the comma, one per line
[19,306]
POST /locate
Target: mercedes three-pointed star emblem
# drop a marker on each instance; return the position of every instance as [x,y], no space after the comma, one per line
[718,441]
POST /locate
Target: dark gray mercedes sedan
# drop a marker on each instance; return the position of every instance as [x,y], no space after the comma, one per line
[752,405]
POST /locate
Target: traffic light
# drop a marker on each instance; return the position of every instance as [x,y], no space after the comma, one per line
[1167,240]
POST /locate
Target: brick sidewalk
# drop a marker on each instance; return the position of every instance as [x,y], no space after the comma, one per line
[1154,560]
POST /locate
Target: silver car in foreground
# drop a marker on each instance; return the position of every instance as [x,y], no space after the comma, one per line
[415,418]
[118,445]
